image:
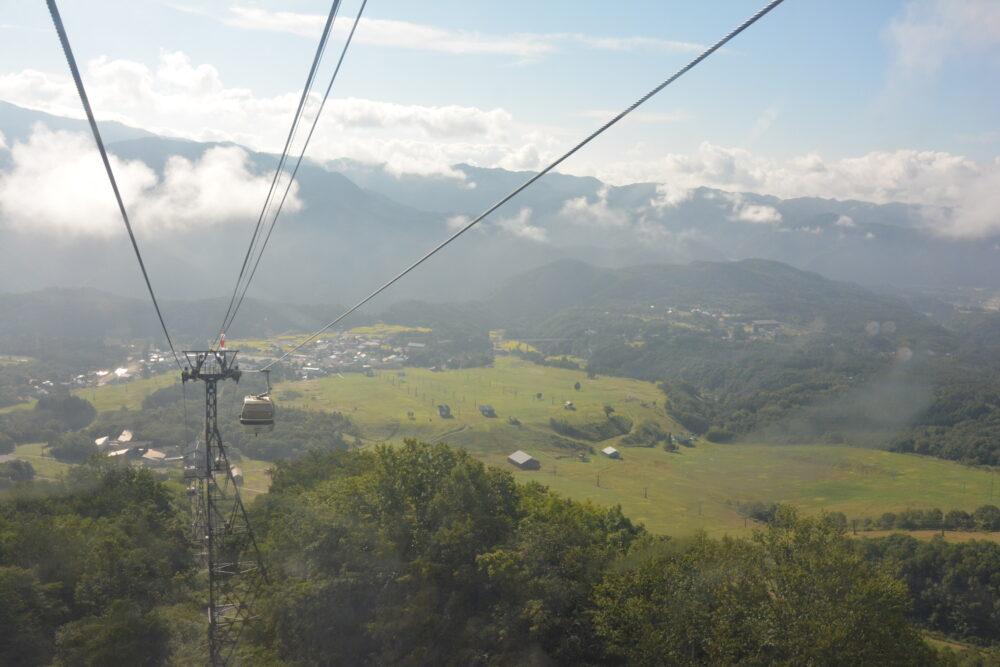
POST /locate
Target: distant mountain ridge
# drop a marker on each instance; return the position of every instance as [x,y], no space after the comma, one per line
[541,301]
[361,224]
[89,313]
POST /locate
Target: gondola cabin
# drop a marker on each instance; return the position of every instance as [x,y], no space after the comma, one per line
[258,414]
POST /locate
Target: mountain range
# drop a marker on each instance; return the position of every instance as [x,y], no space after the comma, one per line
[359,225]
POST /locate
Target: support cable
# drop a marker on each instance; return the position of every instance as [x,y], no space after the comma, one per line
[704,54]
[320,49]
[57,20]
[298,164]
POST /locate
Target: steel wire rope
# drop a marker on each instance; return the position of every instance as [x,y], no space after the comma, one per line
[298,163]
[293,129]
[78,80]
[310,78]
[704,54]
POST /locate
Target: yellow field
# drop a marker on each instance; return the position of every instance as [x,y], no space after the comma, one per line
[514,346]
[386,329]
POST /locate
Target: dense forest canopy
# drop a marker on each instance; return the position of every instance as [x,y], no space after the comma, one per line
[420,554]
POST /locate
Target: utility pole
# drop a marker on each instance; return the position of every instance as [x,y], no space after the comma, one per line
[228,548]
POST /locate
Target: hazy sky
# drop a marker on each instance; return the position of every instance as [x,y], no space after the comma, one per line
[882,100]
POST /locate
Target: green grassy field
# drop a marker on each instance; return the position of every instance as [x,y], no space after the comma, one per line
[669,492]
[694,488]
[380,405]
[18,406]
[45,466]
[130,394]
[690,490]
[12,359]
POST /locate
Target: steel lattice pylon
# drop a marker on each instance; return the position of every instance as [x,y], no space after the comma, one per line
[227,547]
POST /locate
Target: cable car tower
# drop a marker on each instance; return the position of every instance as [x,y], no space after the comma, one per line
[227,546]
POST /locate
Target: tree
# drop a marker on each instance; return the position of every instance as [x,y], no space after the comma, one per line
[608,410]
[987,517]
[798,592]
[576,385]
[17,471]
[29,612]
[958,520]
[124,635]
[72,447]
[6,443]
[420,554]
[71,411]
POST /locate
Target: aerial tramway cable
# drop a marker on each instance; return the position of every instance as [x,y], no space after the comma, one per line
[320,49]
[298,163]
[57,20]
[704,54]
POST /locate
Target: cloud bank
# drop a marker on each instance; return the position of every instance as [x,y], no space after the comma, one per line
[181,98]
[56,184]
[962,197]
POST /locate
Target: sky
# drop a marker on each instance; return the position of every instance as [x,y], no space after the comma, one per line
[894,100]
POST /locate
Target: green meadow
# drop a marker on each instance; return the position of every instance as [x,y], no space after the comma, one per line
[692,489]
[128,395]
[382,405]
[680,492]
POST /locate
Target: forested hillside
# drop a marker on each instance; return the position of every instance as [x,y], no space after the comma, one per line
[763,351]
[420,554]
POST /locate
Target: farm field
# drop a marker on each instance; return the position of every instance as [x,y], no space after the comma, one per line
[692,489]
[687,491]
[13,359]
[18,406]
[674,493]
[129,395]
[45,466]
[381,405]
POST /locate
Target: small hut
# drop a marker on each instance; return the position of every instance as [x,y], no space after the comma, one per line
[611,453]
[524,461]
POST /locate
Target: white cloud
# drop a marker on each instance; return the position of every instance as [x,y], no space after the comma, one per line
[961,196]
[402,34]
[3,142]
[636,43]
[597,214]
[845,221]
[638,116]
[989,137]
[438,122]
[520,226]
[180,98]
[250,18]
[754,213]
[763,123]
[57,184]
[669,195]
[933,32]
[456,222]
[393,34]
[217,188]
